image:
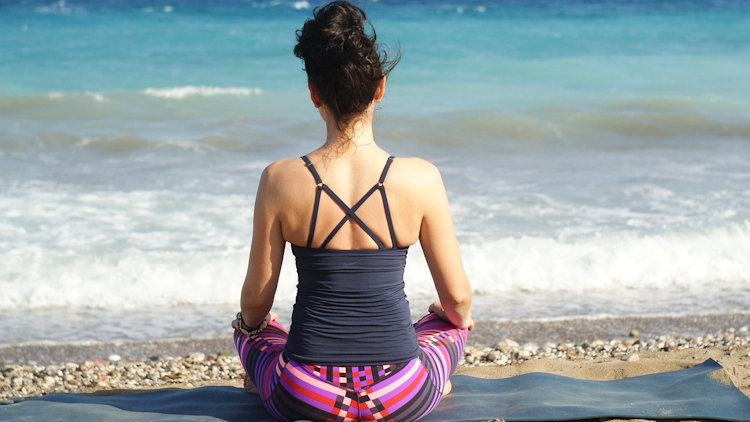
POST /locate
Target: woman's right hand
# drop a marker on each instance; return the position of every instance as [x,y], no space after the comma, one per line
[437,309]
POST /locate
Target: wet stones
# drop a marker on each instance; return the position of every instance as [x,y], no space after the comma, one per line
[509,352]
[93,374]
[30,380]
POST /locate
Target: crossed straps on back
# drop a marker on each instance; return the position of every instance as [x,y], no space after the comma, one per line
[350,212]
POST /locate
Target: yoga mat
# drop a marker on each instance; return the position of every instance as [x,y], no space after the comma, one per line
[701,392]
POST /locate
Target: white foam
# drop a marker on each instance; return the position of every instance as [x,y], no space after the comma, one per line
[203,91]
[603,264]
[98,97]
[124,280]
[299,5]
[115,249]
[141,248]
[611,261]
[617,274]
[131,279]
[58,7]
[97,256]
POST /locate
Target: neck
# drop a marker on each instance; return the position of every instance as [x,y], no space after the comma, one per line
[357,134]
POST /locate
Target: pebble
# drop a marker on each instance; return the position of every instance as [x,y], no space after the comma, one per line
[525,354]
[114,358]
[197,357]
[507,345]
[631,357]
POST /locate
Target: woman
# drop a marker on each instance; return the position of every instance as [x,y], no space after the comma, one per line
[350,211]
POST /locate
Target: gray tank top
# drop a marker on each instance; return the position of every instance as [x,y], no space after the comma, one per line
[351,308]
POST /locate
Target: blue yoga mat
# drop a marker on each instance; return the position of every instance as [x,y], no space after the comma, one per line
[701,392]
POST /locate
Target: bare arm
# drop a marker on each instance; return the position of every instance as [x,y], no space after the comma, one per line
[266,254]
[440,248]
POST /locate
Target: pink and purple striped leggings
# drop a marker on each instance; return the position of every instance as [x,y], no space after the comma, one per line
[406,391]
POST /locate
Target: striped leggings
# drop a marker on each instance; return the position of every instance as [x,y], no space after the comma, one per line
[406,391]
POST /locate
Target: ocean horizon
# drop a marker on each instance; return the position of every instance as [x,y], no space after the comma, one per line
[596,156]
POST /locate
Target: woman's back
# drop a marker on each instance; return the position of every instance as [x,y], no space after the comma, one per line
[350,307]
[407,185]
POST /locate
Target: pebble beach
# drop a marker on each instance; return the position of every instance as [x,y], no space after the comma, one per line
[137,366]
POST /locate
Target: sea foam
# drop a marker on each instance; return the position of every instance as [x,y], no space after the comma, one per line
[160,248]
[203,91]
[612,261]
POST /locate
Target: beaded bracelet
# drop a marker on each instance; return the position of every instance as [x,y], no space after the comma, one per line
[250,331]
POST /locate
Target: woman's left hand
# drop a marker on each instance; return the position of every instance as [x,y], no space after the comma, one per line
[437,309]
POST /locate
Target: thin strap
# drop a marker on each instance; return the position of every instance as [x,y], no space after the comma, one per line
[385,170]
[316,205]
[381,188]
[310,167]
[350,214]
[385,201]
[314,216]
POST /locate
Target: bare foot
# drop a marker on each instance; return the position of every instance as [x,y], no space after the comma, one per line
[250,387]
[448,388]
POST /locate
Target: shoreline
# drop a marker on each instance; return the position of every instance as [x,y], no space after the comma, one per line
[485,333]
[498,349]
[594,360]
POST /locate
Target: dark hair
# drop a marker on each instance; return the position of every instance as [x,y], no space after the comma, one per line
[342,61]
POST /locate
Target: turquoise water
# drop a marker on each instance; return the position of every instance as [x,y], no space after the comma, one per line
[596,154]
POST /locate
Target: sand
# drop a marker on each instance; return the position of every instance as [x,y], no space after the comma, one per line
[736,363]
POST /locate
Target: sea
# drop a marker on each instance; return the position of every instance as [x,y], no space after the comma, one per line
[596,155]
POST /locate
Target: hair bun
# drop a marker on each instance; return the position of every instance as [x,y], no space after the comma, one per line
[342,61]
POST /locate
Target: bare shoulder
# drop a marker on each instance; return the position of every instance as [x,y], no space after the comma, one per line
[280,173]
[418,173]
[279,179]
[416,187]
